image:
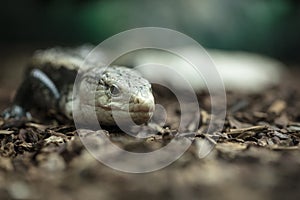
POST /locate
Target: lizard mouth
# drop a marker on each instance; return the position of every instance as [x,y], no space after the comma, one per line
[137,109]
[137,113]
[134,109]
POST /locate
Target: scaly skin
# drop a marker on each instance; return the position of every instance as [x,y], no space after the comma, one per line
[115,90]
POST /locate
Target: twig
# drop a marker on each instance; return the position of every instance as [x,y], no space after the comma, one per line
[252,128]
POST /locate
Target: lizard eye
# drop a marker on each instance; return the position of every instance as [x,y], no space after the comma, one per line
[114,90]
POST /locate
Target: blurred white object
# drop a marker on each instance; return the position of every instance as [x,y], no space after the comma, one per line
[247,71]
[240,71]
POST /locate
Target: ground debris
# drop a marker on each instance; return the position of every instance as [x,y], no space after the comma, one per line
[255,129]
[258,148]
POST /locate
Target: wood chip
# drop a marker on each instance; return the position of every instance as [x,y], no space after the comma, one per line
[38,126]
[230,146]
[242,130]
[1,122]
[276,147]
[54,139]
[277,107]
[237,124]
[6,132]
[280,135]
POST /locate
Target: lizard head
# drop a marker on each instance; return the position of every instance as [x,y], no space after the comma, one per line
[117,93]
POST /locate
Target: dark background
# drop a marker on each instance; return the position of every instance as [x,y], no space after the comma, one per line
[234,170]
[267,27]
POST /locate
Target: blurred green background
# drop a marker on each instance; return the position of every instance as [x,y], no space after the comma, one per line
[268,27]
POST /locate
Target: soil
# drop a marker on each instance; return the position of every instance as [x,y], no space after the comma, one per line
[255,156]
